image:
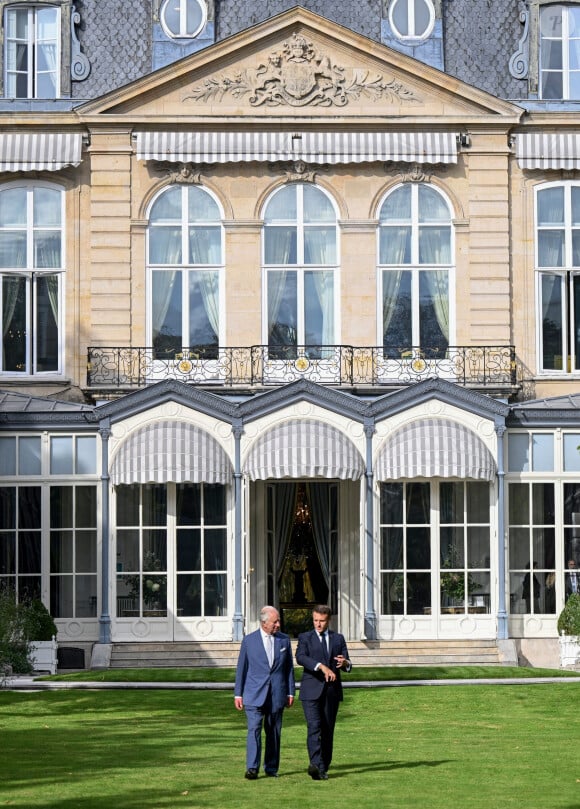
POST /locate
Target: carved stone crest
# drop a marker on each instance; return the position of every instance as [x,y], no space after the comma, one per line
[299,75]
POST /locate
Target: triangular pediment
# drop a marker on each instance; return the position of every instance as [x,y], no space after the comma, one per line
[297,67]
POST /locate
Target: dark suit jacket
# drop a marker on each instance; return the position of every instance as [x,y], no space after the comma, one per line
[254,677]
[309,652]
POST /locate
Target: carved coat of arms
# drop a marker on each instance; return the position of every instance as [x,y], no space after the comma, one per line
[298,75]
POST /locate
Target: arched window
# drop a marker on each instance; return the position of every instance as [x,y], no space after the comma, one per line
[300,261]
[415,264]
[412,19]
[31,276]
[185,239]
[183,19]
[560,52]
[558,276]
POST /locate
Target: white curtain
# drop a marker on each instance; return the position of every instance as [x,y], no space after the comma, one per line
[318,494]
[163,283]
[324,287]
[391,284]
[437,283]
[209,287]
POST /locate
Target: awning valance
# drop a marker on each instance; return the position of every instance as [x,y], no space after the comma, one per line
[304,448]
[434,448]
[545,150]
[170,451]
[311,147]
[27,151]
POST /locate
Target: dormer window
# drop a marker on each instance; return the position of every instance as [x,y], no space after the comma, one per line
[183,19]
[560,52]
[32,52]
[412,19]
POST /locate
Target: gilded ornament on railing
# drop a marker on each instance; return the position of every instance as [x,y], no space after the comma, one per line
[298,75]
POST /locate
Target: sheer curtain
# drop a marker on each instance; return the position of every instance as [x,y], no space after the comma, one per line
[284,520]
[324,288]
[438,285]
[163,283]
[318,494]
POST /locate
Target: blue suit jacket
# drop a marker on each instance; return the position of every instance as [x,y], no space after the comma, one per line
[253,674]
[308,653]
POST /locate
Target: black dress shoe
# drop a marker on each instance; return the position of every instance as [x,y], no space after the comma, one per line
[314,772]
[251,775]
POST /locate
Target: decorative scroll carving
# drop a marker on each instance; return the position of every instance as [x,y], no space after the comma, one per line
[298,75]
[519,63]
[80,67]
[417,173]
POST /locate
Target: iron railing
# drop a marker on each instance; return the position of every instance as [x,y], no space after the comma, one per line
[118,368]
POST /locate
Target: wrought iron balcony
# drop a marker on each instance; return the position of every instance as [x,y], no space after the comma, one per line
[121,368]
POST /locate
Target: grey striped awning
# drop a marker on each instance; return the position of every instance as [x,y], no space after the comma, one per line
[548,150]
[170,451]
[304,448]
[311,147]
[437,448]
[28,151]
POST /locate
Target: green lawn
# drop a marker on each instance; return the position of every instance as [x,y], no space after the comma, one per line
[458,747]
[366,673]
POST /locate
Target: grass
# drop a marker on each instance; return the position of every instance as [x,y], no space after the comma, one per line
[370,673]
[490,747]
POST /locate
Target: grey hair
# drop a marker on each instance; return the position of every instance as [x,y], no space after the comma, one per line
[265,612]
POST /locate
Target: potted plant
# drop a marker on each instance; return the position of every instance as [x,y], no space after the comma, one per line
[569,632]
[41,632]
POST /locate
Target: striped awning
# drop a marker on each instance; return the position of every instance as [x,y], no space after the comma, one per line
[311,147]
[434,448]
[26,151]
[304,448]
[170,451]
[545,150]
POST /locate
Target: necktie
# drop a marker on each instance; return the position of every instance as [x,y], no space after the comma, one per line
[574,582]
[270,649]
[324,643]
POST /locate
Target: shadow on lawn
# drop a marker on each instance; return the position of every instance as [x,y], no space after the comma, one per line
[342,770]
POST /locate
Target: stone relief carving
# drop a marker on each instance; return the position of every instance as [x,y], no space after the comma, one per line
[519,62]
[183,173]
[298,75]
[300,172]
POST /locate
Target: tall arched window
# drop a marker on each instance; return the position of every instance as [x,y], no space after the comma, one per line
[185,238]
[31,274]
[558,276]
[415,265]
[300,261]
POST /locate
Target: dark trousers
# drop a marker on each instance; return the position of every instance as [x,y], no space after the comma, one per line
[320,719]
[271,721]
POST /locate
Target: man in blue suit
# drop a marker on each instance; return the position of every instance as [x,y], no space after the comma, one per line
[264,687]
[323,654]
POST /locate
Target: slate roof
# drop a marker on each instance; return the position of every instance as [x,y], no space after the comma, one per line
[22,403]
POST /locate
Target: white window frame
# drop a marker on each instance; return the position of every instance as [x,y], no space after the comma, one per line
[414,267]
[32,72]
[565,41]
[186,269]
[300,267]
[32,274]
[410,6]
[183,8]
[566,273]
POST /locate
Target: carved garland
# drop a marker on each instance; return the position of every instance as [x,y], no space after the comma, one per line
[298,75]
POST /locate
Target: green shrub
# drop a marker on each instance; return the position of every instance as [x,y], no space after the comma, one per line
[38,622]
[569,618]
[14,645]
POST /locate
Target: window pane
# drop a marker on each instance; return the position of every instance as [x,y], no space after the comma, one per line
[571,452]
[552,323]
[167,315]
[47,320]
[434,313]
[165,245]
[319,308]
[61,551]
[418,593]
[214,504]
[395,245]
[167,207]
[392,548]
[542,452]
[127,551]
[282,309]
[28,455]
[477,495]
[86,551]
[7,458]
[127,504]
[478,547]
[189,549]
[397,312]
[201,206]
[214,594]
[154,497]
[86,455]
[29,507]
[14,324]
[551,248]
[452,506]
[215,549]
[203,308]
[7,553]
[189,595]
[204,245]
[317,206]
[189,504]
[283,206]
[391,503]
[61,456]
[13,207]
[280,245]
[86,506]
[400,17]
[418,548]
[452,547]
[418,503]
[86,596]
[397,206]
[519,504]
[434,245]
[194,16]
[319,245]
[61,596]
[61,506]
[551,206]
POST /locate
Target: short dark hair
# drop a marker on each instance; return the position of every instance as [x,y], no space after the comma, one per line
[322,609]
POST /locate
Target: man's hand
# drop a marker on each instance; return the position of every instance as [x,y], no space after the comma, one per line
[239,703]
[329,675]
[341,662]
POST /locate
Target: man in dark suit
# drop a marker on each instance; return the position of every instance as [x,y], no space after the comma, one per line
[323,654]
[264,687]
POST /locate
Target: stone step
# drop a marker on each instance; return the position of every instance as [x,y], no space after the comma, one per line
[362,653]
